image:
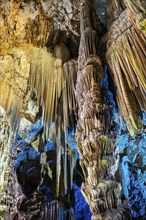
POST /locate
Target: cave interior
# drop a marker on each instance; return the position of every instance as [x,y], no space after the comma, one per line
[72,110]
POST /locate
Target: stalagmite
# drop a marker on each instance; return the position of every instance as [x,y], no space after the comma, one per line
[92,141]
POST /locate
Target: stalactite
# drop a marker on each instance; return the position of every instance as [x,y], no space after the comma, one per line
[72,163]
[126,58]
[55,89]
[69,100]
[46,78]
[62,52]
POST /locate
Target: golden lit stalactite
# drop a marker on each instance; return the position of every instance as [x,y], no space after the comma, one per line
[46,80]
[49,82]
[126,57]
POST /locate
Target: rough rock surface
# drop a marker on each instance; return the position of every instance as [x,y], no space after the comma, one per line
[30,22]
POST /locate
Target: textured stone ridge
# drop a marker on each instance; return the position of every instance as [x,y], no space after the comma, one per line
[5,160]
[14,74]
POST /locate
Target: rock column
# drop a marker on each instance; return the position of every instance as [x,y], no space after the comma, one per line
[94,143]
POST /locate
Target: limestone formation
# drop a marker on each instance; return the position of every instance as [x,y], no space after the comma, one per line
[126,57]
[93,141]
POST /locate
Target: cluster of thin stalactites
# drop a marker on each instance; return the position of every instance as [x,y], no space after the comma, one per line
[126,58]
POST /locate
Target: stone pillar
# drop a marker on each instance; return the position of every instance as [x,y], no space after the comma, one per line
[94,143]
